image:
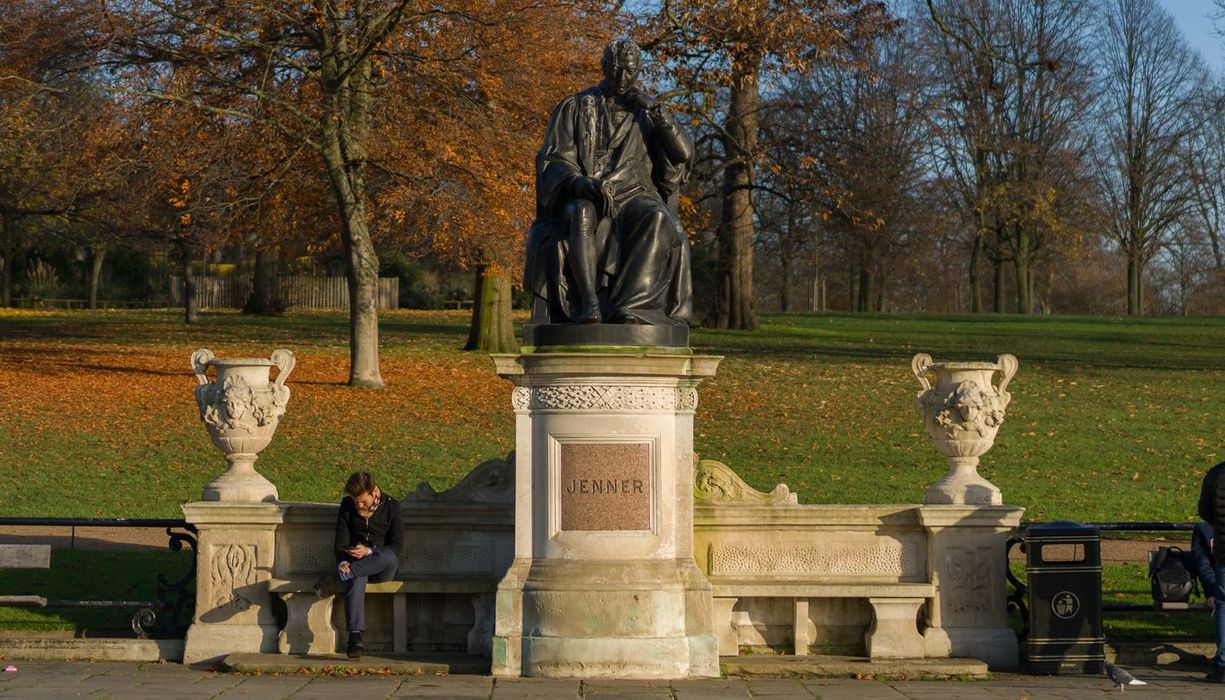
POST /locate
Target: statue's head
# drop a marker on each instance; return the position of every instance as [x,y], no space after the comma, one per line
[621,63]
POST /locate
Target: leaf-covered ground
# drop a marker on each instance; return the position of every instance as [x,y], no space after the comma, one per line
[1112,419]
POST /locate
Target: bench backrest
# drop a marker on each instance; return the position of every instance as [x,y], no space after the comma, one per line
[25,556]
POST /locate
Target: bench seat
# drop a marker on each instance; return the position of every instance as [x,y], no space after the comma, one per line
[24,556]
[894,632]
[309,628]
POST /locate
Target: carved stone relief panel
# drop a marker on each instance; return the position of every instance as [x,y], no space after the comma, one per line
[878,557]
[231,569]
[448,559]
[587,397]
[966,579]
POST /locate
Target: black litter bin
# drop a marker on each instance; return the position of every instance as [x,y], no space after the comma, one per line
[1064,568]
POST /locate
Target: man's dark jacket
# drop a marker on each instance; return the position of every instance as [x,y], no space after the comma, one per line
[383,530]
[1212,508]
[1201,554]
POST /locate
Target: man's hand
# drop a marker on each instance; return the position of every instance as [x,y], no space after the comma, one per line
[358,551]
[344,568]
[1212,603]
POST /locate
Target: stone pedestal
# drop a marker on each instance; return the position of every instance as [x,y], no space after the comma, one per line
[604,583]
[966,559]
[234,562]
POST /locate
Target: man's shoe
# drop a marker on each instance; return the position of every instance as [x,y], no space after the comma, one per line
[328,585]
[356,648]
[1216,675]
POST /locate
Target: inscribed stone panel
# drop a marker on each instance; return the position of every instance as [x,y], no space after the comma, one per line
[605,486]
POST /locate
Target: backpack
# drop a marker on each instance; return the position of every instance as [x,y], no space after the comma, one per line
[1169,571]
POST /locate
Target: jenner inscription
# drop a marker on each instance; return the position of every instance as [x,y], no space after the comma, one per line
[605,486]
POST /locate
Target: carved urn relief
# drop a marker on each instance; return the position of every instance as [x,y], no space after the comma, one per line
[241,408]
[963,409]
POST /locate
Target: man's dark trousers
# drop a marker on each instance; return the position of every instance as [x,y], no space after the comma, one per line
[378,566]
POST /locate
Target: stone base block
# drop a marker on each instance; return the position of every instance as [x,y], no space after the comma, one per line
[308,627]
[995,645]
[626,619]
[936,643]
[210,642]
[894,633]
[725,627]
[554,657]
[963,486]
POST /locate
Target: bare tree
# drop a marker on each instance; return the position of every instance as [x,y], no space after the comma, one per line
[1150,79]
[865,127]
[1009,136]
[1205,161]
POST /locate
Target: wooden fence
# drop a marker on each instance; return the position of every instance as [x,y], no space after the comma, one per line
[231,292]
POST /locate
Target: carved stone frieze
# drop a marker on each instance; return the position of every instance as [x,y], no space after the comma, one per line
[715,483]
[884,558]
[308,557]
[967,579]
[232,568]
[450,560]
[594,397]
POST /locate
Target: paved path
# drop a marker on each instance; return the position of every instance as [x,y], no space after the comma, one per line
[60,679]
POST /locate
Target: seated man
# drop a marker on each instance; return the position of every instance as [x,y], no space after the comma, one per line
[606,246]
[369,540]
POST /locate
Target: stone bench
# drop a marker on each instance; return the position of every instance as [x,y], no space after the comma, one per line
[309,628]
[895,607]
[24,556]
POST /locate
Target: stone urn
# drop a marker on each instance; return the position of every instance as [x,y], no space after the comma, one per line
[963,409]
[241,408]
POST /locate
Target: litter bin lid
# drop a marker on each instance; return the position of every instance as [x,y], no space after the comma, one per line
[1062,528]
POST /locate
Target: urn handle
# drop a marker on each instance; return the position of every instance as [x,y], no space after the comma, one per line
[1008,365]
[921,363]
[199,363]
[284,361]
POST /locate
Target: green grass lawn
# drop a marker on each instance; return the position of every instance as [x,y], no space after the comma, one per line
[1112,419]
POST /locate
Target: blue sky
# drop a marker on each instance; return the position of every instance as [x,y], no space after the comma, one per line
[1193,17]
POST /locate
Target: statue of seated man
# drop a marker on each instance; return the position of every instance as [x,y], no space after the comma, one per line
[606,246]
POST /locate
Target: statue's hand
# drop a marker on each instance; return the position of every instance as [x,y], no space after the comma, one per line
[595,191]
[640,100]
[587,188]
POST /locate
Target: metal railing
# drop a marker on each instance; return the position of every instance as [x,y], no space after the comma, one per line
[161,617]
[1017,599]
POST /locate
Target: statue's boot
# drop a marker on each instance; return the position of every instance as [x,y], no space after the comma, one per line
[583,265]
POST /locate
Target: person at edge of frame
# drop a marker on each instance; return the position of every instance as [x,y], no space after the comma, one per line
[1212,511]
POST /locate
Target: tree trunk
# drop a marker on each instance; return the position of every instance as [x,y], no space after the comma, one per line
[864,298]
[491,329]
[1021,265]
[265,289]
[976,284]
[784,296]
[191,311]
[1135,275]
[362,273]
[735,260]
[6,279]
[95,273]
[345,130]
[999,286]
